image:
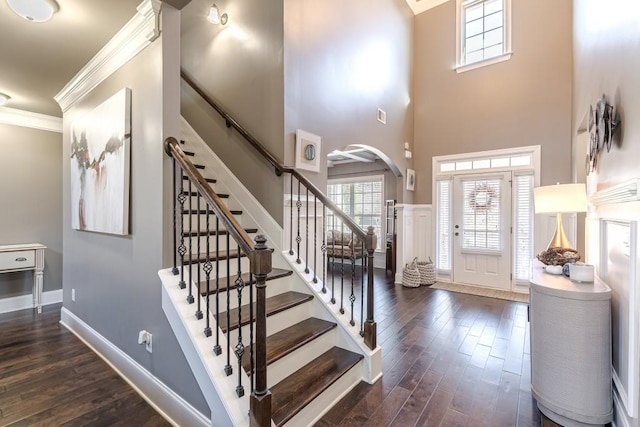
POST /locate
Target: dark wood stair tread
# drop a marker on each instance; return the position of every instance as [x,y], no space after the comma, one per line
[290,339]
[275,305]
[296,391]
[222,255]
[188,153]
[276,273]
[209,180]
[195,194]
[216,232]
[201,167]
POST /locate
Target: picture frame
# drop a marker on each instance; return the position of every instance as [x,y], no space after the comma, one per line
[100,151]
[308,151]
[411,179]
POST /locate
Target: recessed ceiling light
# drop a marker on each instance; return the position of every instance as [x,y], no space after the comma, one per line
[34,10]
[4,98]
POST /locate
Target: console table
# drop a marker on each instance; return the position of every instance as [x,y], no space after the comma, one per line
[570,349]
[23,258]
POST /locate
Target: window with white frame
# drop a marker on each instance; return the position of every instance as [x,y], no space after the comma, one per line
[522,225]
[484,31]
[361,198]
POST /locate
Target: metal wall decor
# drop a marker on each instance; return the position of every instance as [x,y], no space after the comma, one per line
[603,123]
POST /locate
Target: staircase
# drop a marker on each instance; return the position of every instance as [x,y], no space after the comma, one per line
[314,352]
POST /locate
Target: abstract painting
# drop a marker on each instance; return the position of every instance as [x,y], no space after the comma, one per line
[100,156]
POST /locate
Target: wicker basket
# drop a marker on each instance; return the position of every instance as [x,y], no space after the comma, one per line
[427,272]
[411,275]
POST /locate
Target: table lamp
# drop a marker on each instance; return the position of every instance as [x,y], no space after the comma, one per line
[559,199]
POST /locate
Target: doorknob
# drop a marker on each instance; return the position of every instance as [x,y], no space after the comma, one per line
[457,226]
[456,233]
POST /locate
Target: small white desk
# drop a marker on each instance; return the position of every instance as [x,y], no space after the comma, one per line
[22,258]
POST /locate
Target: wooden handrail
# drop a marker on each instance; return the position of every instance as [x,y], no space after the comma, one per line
[274,161]
[173,149]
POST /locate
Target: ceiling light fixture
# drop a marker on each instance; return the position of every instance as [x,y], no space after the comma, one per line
[34,10]
[4,98]
[214,16]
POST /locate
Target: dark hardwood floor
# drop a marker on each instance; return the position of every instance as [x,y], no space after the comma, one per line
[48,377]
[448,359]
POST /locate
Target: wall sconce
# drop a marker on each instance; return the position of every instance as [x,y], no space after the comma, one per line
[34,11]
[4,98]
[214,16]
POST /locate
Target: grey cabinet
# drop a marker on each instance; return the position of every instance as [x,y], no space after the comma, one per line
[570,349]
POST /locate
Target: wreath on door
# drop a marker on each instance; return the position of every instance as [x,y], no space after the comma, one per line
[482,198]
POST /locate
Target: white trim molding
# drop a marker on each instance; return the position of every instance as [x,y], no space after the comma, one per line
[165,401]
[27,119]
[23,302]
[620,193]
[134,37]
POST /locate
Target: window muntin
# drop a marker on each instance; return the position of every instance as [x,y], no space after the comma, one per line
[362,199]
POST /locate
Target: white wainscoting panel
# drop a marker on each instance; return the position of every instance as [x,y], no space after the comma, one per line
[414,235]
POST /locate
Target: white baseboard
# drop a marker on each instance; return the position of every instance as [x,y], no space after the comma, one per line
[170,405]
[26,301]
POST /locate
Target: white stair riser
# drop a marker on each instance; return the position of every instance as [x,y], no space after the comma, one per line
[325,401]
[203,220]
[281,369]
[274,287]
[220,239]
[220,266]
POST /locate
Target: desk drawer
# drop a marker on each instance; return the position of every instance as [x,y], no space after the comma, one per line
[17,260]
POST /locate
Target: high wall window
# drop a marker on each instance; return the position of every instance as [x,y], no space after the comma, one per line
[362,199]
[483,32]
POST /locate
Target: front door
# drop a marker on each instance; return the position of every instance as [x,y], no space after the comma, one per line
[482,230]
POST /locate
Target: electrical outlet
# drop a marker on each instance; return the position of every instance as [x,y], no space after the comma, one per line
[145,338]
[73,295]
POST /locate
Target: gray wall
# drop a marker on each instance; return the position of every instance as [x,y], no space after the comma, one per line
[31,195]
[241,66]
[607,61]
[343,61]
[523,101]
[118,292]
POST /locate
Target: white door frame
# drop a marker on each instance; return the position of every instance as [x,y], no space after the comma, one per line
[504,160]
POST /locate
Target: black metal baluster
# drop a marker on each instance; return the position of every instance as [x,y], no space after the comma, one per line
[342,249]
[252,374]
[306,258]
[291,214]
[362,264]
[207,271]
[175,270]
[298,238]
[333,259]
[228,369]
[182,249]
[324,251]
[315,239]
[352,297]
[239,349]
[199,310]
[190,296]
[217,349]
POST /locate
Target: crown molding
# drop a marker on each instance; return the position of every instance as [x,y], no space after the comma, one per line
[622,193]
[27,119]
[419,6]
[137,34]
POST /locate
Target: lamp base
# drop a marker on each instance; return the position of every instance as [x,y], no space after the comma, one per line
[559,239]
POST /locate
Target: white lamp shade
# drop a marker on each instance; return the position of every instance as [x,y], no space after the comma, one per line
[560,198]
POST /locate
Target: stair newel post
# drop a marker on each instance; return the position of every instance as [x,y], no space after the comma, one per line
[291,215]
[239,348]
[217,349]
[199,309]
[260,411]
[315,239]
[370,326]
[298,238]
[175,270]
[228,369]
[190,296]
[207,271]
[252,321]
